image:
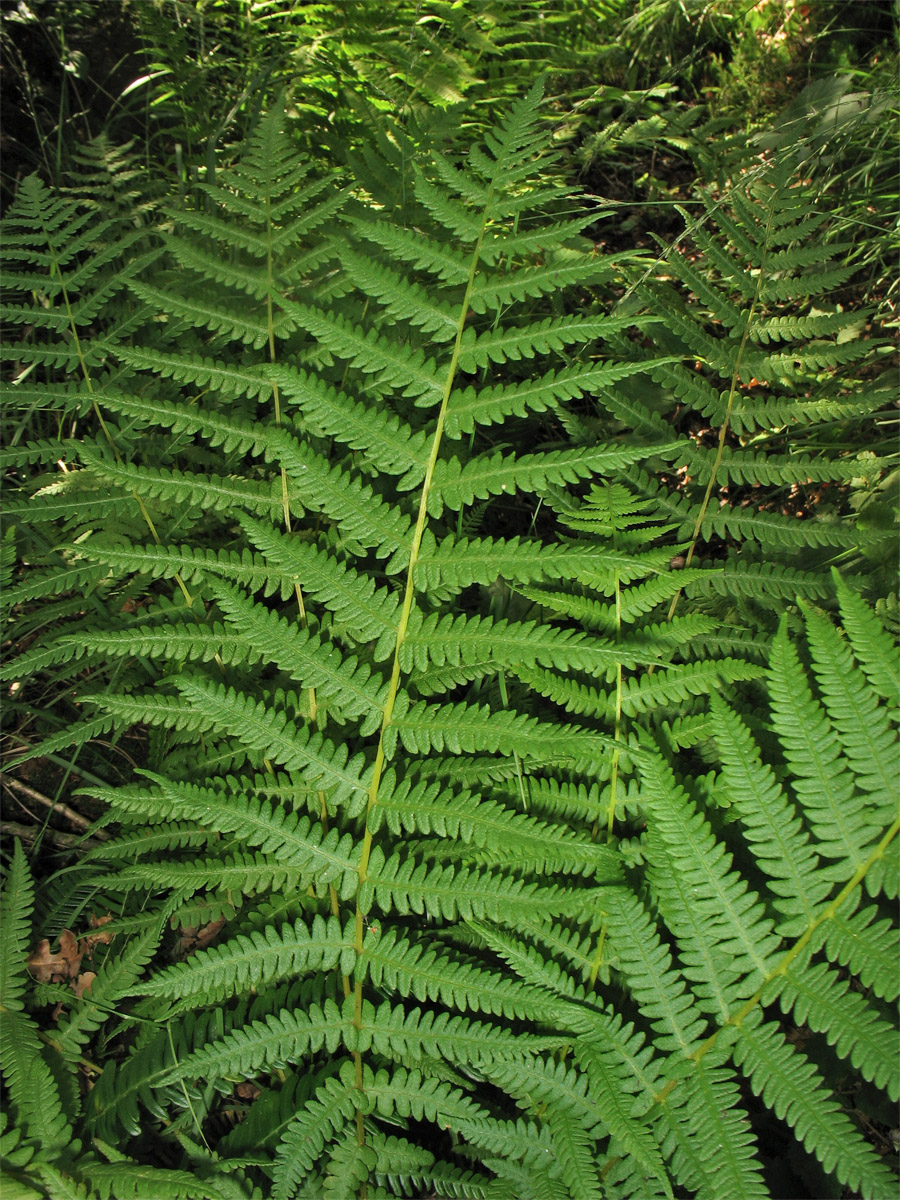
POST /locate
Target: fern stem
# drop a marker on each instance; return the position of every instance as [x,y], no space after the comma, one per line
[403,624]
[418,533]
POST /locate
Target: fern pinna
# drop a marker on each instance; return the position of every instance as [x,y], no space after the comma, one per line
[479,934]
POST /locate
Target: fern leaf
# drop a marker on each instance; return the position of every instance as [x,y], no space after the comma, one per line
[553,333]
[456,486]
[202,492]
[114,980]
[472,406]
[33,1092]
[403,885]
[308,659]
[789,1086]
[725,939]
[391,363]
[357,509]
[611,1092]
[263,728]
[297,841]
[390,444]
[870,745]
[575,1155]
[459,562]
[241,873]
[772,825]
[219,318]
[817,998]
[647,965]
[400,1092]
[283,1037]
[470,729]
[332,1109]
[462,639]
[15,930]
[715,1151]
[352,597]
[841,821]
[348,1168]
[868,946]
[410,969]
[402,299]
[420,251]
[675,684]
[126,1180]
[230,381]
[871,646]
[406,1035]
[250,961]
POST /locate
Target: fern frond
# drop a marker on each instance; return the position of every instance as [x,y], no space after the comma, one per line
[575,1154]
[403,885]
[332,1108]
[865,944]
[647,965]
[390,444]
[841,821]
[406,1035]
[461,640]
[251,961]
[114,980]
[456,486]
[459,562]
[262,728]
[284,1037]
[295,840]
[229,380]
[773,826]
[306,658]
[475,729]
[409,969]
[870,745]
[218,318]
[412,373]
[611,1086]
[789,1085]
[871,645]
[15,930]
[34,1094]
[818,998]
[200,492]
[473,406]
[553,333]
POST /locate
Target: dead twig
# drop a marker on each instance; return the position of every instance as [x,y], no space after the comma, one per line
[56,837]
[56,806]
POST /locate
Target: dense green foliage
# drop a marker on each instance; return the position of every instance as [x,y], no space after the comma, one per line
[474,632]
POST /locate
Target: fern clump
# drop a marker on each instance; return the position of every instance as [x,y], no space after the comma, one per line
[469,927]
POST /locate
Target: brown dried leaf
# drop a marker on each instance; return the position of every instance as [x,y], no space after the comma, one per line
[208,934]
[97,939]
[47,967]
[194,938]
[83,983]
[56,968]
[72,951]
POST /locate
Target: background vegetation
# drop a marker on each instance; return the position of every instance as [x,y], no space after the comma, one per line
[672,124]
